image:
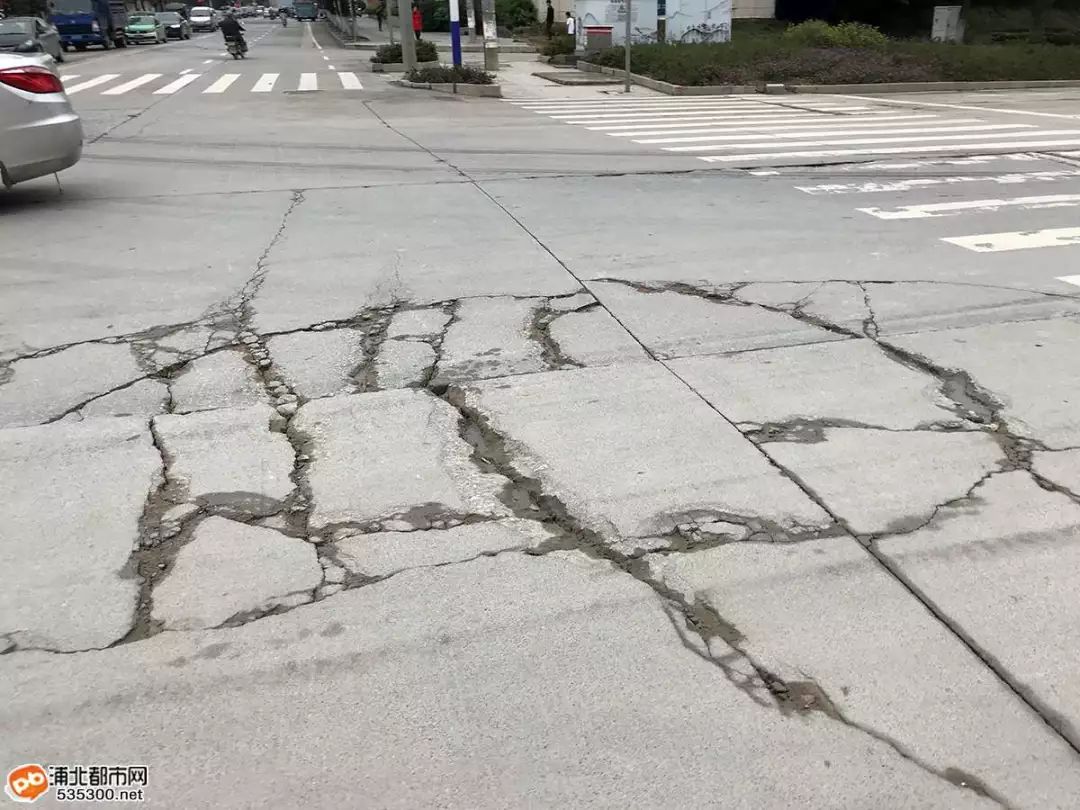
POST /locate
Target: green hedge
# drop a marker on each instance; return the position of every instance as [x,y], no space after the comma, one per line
[391,54]
[454,74]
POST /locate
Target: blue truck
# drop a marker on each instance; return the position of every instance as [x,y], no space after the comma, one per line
[82,23]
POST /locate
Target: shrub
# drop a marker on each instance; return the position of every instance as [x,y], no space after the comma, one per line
[515,13]
[818,34]
[455,74]
[560,43]
[391,54]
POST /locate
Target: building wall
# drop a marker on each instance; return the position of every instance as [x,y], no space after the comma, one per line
[754,8]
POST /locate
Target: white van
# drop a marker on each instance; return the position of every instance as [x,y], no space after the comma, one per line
[203,18]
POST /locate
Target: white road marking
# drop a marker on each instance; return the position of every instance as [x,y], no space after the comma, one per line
[748,116]
[120,89]
[563,109]
[179,84]
[885,150]
[1070,280]
[929,210]
[331,67]
[758,133]
[308,82]
[1017,240]
[350,81]
[71,78]
[207,61]
[579,117]
[780,126]
[972,107]
[711,120]
[185,71]
[265,83]
[925,182]
[222,84]
[865,141]
[77,88]
[311,33]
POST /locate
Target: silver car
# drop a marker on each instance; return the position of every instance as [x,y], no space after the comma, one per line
[39,131]
[30,35]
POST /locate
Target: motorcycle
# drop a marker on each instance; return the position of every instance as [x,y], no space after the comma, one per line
[236,47]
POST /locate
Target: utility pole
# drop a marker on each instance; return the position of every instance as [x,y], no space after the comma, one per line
[408,44]
[661,20]
[455,31]
[626,46]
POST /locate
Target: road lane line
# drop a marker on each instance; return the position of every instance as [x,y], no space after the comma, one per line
[1070,280]
[929,210]
[350,81]
[207,61]
[308,82]
[884,150]
[331,67]
[185,71]
[671,117]
[311,33]
[222,84]
[866,141]
[179,84]
[721,126]
[911,184]
[107,77]
[580,117]
[120,89]
[864,119]
[71,78]
[1017,240]
[760,132]
[265,83]
[971,107]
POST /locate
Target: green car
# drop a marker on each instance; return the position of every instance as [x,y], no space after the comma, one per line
[144,28]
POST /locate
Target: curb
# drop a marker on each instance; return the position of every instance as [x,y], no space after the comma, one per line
[397,67]
[480,90]
[672,89]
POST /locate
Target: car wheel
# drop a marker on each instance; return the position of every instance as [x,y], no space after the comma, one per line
[107,44]
[60,56]
[80,48]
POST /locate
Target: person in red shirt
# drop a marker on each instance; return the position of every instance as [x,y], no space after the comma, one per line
[417,21]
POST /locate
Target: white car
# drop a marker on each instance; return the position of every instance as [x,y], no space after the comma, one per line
[203,18]
[39,131]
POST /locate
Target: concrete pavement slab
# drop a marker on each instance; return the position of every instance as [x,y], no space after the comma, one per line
[492,677]
[380,554]
[42,388]
[231,568]
[391,454]
[144,398]
[594,338]
[840,303]
[70,500]
[672,324]
[824,614]
[417,323]
[219,380]
[632,452]
[227,459]
[1002,567]
[1061,467]
[490,337]
[846,381]
[1030,368]
[450,242]
[571,302]
[403,363]
[882,481]
[318,364]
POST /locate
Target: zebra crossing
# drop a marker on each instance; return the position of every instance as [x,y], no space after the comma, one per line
[744,131]
[158,84]
[1039,190]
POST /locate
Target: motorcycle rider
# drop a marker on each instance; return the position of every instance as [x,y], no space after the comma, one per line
[231,28]
[284,20]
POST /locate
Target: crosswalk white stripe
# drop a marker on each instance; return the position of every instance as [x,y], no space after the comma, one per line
[308,82]
[97,80]
[885,150]
[265,83]
[70,78]
[349,81]
[1070,280]
[222,84]
[925,182]
[1017,240]
[758,133]
[865,119]
[185,70]
[608,108]
[866,141]
[120,89]
[663,118]
[929,210]
[809,124]
[180,83]
[594,118]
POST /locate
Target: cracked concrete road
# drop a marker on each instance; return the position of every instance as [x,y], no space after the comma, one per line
[402,474]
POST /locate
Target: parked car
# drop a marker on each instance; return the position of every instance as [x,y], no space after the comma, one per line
[144,27]
[176,27]
[203,18]
[30,35]
[39,132]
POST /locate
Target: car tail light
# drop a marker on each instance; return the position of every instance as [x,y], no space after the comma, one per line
[32,79]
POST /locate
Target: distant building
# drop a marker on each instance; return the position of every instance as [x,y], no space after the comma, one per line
[754,9]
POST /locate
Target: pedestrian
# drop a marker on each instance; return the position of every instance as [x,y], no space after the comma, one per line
[571,24]
[549,20]
[417,21]
[380,13]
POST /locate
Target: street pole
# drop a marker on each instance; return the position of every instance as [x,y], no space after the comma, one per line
[455,31]
[408,44]
[626,47]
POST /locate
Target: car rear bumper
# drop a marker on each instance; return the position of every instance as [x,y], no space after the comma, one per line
[140,37]
[40,147]
[177,33]
[81,39]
